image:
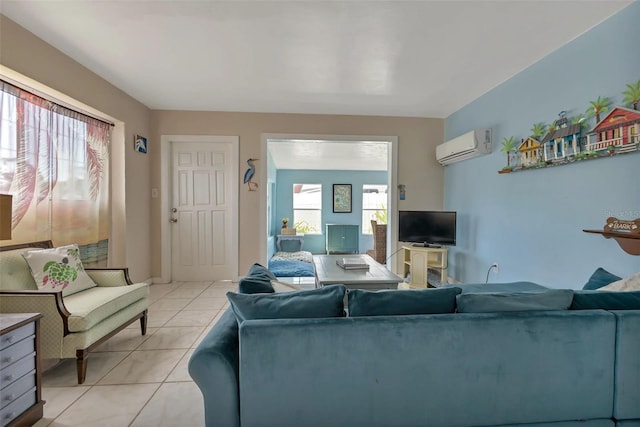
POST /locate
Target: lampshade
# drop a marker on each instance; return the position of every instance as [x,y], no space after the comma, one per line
[5,216]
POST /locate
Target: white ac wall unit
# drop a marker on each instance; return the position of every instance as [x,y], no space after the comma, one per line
[471,144]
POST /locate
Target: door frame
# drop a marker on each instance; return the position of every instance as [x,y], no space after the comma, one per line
[392,182]
[166,195]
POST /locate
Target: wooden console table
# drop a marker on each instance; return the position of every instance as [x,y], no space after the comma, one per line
[299,238]
[342,239]
[21,401]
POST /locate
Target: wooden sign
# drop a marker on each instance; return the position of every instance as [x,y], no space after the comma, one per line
[621,226]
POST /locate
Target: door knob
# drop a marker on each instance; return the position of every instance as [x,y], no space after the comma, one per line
[173,220]
[174,210]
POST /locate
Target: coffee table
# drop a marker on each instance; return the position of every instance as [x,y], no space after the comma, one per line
[376,277]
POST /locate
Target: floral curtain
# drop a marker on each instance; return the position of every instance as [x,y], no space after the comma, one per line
[55,163]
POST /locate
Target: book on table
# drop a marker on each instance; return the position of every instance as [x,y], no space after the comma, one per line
[352,263]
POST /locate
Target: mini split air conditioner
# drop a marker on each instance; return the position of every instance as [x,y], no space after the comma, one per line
[471,144]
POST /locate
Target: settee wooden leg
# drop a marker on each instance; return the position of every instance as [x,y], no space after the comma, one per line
[81,364]
[143,322]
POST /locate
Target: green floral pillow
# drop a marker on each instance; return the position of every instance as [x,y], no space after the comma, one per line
[58,269]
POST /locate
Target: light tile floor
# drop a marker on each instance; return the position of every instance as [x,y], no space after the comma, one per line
[141,381]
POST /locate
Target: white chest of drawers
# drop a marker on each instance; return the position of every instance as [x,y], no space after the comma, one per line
[21,402]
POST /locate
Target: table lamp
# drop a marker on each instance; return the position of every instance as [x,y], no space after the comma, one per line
[5,216]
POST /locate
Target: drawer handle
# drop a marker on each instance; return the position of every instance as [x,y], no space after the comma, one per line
[9,416]
[9,377]
[9,339]
[9,397]
[7,359]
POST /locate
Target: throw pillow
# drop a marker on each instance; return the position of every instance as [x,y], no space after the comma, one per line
[58,269]
[327,301]
[552,299]
[600,278]
[258,270]
[597,299]
[258,280]
[631,283]
[401,302]
[279,287]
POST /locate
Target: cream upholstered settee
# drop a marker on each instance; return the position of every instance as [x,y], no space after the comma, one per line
[75,324]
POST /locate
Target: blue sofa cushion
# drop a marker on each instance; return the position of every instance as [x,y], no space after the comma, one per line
[258,280]
[552,299]
[475,288]
[327,301]
[600,278]
[594,299]
[401,302]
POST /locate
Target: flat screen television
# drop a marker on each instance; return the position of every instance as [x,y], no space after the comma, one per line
[427,228]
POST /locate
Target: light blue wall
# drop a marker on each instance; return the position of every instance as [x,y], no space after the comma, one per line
[284,200]
[531,222]
[271,206]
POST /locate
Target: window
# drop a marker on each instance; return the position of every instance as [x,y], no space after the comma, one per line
[307,208]
[374,202]
[55,163]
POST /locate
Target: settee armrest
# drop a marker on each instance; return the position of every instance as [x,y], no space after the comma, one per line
[214,368]
[54,324]
[109,276]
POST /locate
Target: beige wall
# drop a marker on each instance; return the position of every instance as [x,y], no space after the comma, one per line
[24,53]
[138,232]
[417,167]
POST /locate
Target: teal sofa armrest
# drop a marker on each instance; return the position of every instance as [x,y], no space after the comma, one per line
[627,381]
[214,368]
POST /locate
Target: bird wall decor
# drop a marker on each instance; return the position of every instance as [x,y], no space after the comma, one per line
[248,175]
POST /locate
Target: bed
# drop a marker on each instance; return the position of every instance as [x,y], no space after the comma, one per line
[292,264]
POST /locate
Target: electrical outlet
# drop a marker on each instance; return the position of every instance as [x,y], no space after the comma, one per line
[495,267]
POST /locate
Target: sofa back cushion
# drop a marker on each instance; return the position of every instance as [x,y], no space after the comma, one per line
[597,299]
[546,300]
[401,302]
[257,280]
[327,301]
[14,272]
[438,370]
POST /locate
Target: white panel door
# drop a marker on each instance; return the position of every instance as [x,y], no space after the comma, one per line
[201,211]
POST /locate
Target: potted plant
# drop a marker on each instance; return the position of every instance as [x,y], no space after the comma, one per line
[611,149]
[285,222]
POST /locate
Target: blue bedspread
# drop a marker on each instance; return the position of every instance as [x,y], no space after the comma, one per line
[291,268]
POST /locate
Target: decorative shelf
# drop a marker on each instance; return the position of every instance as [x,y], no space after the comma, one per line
[630,243]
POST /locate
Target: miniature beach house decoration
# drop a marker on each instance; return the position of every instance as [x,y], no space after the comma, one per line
[569,139]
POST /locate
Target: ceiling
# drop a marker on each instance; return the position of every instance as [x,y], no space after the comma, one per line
[329,155]
[392,58]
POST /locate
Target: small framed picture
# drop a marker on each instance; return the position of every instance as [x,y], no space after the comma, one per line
[140,144]
[342,198]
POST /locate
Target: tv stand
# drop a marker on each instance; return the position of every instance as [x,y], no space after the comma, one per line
[426,266]
[426,245]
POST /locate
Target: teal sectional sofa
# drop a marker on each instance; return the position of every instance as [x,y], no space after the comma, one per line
[556,367]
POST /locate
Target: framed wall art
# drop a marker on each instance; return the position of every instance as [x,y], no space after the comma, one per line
[342,198]
[140,144]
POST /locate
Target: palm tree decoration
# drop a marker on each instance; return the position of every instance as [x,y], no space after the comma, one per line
[579,120]
[508,145]
[538,130]
[600,105]
[632,95]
